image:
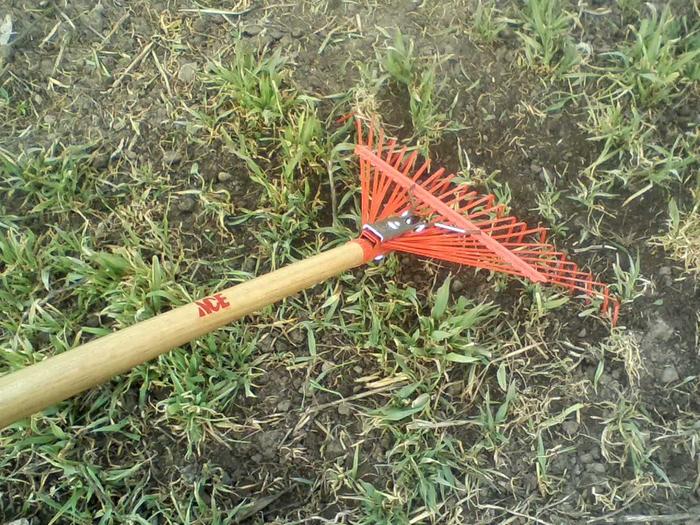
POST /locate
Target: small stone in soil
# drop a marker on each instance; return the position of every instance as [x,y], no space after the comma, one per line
[187,72]
[358,369]
[457,285]
[665,270]
[585,458]
[252,30]
[598,468]
[344,409]
[334,449]
[6,53]
[224,177]
[172,156]
[275,34]
[535,168]
[297,336]
[284,405]
[570,427]
[670,374]
[582,333]
[186,205]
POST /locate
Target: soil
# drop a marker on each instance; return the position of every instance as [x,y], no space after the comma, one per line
[304,434]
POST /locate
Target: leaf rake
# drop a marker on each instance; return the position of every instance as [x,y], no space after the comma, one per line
[406,207]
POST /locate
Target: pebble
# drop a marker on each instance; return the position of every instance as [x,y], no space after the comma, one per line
[457,285]
[535,168]
[257,458]
[665,270]
[585,458]
[598,468]
[334,449]
[172,157]
[249,265]
[275,34]
[186,205]
[6,53]
[659,330]
[358,369]
[570,427]
[582,333]
[187,72]
[224,176]
[284,405]
[281,345]
[297,336]
[252,30]
[670,374]
[344,409]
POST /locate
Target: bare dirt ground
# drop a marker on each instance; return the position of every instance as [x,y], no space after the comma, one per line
[291,417]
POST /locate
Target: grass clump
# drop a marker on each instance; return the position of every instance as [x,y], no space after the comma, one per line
[660,63]
[682,240]
[545,31]
[486,22]
[402,66]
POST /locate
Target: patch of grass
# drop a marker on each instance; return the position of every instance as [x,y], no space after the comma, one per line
[635,86]
[682,240]
[660,63]
[486,22]
[399,61]
[545,34]
[547,206]
[252,85]
[404,68]
[626,438]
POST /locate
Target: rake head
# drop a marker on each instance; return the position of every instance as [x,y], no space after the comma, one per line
[441,219]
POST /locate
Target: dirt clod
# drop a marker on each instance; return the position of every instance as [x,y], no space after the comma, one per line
[186,204]
[570,427]
[172,157]
[284,405]
[669,374]
[252,30]
[187,72]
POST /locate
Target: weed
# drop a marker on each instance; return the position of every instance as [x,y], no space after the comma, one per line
[427,120]
[547,207]
[252,86]
[682,240]
[659,64]
[545,33]
[629,284]
[399,61]
[424,104]
[487,23]
[626,438]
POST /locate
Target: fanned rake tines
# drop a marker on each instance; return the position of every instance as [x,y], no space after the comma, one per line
[461,225]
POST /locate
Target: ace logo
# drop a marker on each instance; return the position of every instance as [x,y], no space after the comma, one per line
[211,304]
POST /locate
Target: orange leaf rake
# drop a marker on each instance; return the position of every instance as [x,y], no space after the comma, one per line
[406,207]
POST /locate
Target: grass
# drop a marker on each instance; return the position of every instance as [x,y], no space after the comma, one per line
[545,33]
[409,391]
[682,240]
[429,121]
[487,22]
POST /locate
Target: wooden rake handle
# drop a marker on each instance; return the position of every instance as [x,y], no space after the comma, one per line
[39,386]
